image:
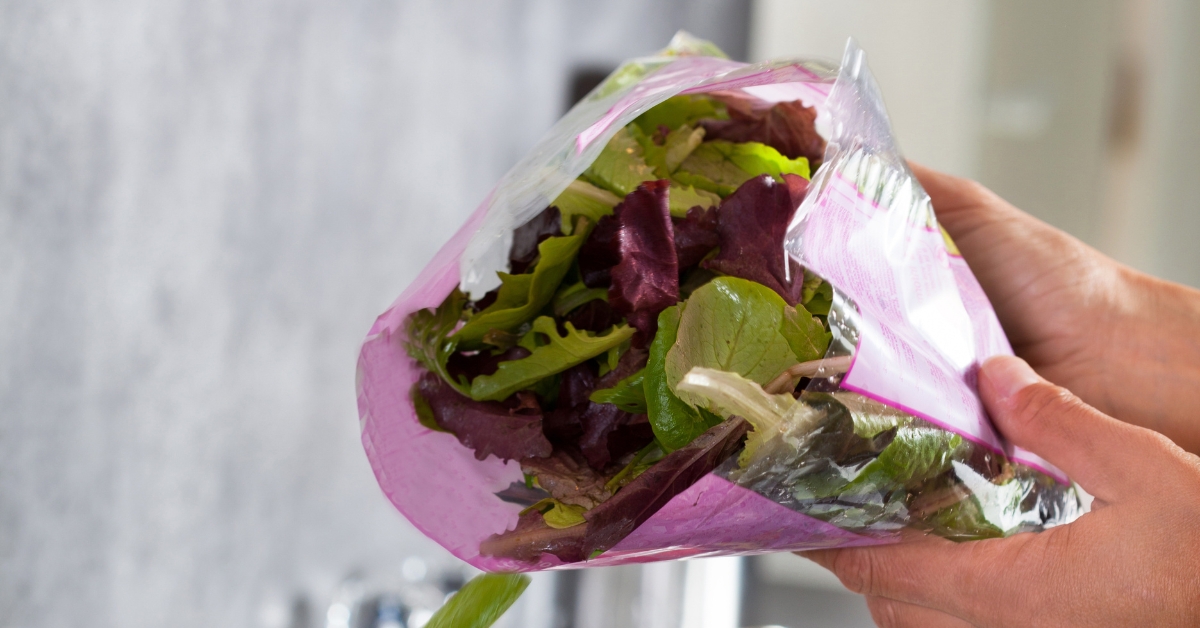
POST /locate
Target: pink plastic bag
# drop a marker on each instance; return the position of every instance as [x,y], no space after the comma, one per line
[865,226]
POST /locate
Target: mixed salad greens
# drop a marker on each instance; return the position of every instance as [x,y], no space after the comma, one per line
[651,327]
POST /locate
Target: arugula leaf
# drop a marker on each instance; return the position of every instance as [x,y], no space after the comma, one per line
[570,297]
[721,167]
[427,336]
[677,111]
[584,199]
[560,354]
[480,602]
[521,297]
[731,324]
[628,395]
[675,422]
[621,166]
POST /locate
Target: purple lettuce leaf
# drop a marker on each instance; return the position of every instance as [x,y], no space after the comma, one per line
[788,127]
[532,538]
[595,316]
[646,279]
[528,236]
[509,432]
[475,363]
[599,254]
[614,519]
[562,425]
[752,223]
[695,236]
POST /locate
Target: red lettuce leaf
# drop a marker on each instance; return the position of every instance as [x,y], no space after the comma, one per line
[646,280]
[614,519]
[528,236]
[595,316]
[599,253]
[509,432]
[695,236]
[752,223]
[788,127]
[568,478]
[474,364]
[532,538]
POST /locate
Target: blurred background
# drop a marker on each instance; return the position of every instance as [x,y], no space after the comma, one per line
[204,205]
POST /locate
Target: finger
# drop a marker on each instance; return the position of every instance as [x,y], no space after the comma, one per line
[1092,448]
[969,580]
[889,613]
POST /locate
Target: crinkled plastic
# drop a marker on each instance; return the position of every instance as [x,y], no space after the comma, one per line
[910,324]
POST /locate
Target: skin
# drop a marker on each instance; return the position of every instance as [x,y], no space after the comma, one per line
[1123,341]
[1128,346]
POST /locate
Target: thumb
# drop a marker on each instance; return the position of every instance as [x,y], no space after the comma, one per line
[1094,449]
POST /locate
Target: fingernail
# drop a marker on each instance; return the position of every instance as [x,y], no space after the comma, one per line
[1008,374]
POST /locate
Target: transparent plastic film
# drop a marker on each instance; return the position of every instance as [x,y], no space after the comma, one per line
[710,313]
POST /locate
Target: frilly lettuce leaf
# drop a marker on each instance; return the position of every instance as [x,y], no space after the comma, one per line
[521,297]
[559,354]
[427,336]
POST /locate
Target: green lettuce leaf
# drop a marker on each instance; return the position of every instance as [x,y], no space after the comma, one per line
[521,297]
[804,334]
[734,325]
[427,336]
[558,354]
[681,198]
[675,423]
[915,455]
[621,165]
[677,111]
[583,199]
[480,602]
[628,394]
[720,167]
[817,295]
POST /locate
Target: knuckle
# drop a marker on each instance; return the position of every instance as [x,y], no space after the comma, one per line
[1039,403]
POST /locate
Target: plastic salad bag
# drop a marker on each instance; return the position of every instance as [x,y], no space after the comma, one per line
[658,338]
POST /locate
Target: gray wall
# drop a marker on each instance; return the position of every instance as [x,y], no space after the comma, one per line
[203,205]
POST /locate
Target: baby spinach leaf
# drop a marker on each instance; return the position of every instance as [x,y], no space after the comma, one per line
[480,602]
[734,325]
[559,354]
[628,395]
[675,423]
[427,336]
[521,297]
[804,333]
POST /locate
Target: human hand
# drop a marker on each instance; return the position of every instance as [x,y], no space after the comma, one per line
[1125,342]
[1133,561]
